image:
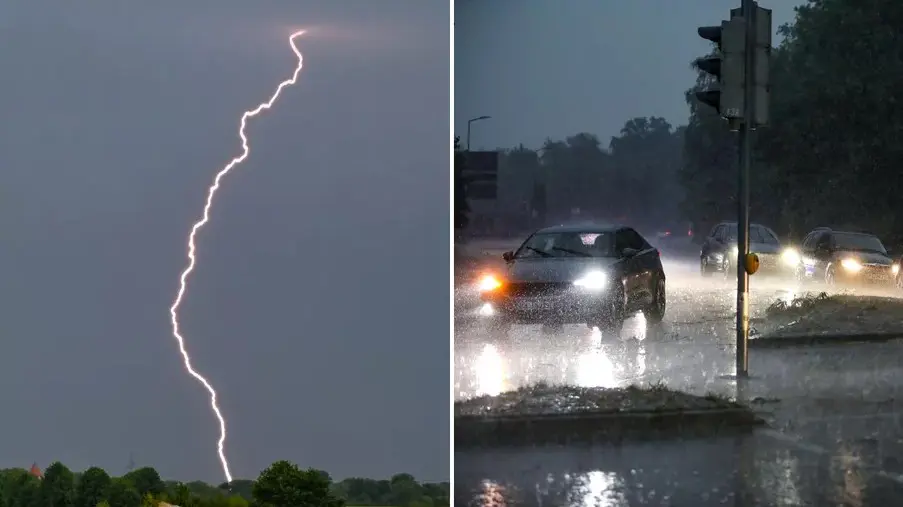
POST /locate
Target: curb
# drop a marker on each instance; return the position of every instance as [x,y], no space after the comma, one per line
[595,427]
[774,342]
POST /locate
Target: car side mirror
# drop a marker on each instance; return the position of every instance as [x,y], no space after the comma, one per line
[508,256]
[629,252]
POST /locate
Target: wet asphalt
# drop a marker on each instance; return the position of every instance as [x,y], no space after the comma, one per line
[834,435]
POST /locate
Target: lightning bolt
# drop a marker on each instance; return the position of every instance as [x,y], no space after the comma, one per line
[183,280]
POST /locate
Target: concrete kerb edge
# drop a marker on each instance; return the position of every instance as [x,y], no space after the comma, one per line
[771,342]
[605,427]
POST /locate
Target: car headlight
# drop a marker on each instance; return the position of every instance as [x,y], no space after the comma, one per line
[488,283]
[791,257]
[895,269]
[851,265]
[594,280]
[735,251]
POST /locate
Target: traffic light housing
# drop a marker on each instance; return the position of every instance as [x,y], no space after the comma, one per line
[762,73]
[727,65]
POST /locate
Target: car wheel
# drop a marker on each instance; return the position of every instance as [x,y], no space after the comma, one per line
[830,276]
[704,269]
[612,318]
[656,311]
[726,269]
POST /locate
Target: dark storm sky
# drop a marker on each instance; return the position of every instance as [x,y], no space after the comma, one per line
[553,69]
[319,309]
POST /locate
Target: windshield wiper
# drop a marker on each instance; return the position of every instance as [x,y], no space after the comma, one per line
[574,252]
[540,252]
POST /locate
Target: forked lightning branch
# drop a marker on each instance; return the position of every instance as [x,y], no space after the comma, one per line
[192,236]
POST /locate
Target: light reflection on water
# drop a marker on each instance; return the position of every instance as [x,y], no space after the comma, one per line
[742,471]
[598,489]
[489,370]
[588,358]
[591,489]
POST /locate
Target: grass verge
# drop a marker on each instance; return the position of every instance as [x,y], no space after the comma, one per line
[820,318]
[543,413]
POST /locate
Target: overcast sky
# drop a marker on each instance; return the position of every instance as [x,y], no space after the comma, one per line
[319,308]
[553,69]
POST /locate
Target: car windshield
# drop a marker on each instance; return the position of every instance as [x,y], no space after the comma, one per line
[758,234]
[567,244]
[859,242]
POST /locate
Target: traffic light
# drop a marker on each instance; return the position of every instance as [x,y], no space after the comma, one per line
[728,66]
[731,67]
[762,77]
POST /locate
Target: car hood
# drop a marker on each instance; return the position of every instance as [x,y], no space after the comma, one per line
[556,270]
[865,257]
[762,248]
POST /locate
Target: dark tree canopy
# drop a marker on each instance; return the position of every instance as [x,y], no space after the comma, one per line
[283,484]
[830,154]
[634,177]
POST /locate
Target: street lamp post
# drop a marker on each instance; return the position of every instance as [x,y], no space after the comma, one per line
[468,127]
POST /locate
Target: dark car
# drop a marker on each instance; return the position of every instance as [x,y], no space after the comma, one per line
[589,274]
[719,251]
[846,257]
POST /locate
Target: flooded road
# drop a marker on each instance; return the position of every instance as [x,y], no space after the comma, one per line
[750,471]
[689,350]
[834,419]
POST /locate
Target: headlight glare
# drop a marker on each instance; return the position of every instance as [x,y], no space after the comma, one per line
[791,257]
[895,269]
[594,280]
[488,283]
[851,265]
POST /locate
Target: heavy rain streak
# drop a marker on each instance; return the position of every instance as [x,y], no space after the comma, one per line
[678,283]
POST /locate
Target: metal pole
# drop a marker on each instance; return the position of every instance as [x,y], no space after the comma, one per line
[468,133]
[748,8]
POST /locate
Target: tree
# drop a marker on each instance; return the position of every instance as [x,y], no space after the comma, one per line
[283,484]
[146,480]
[405,490]
[122,494]
[58,486]
[180,495]
[242,487]
[21,488]
[645,160]
[92,487]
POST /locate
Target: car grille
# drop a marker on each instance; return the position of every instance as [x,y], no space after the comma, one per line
[769,260]
[522,289]
[875,271]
